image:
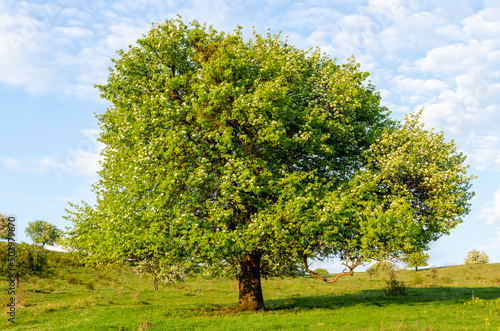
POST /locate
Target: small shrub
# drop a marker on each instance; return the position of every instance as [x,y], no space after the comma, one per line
[447,280]
[31,261]
[394,287]
[104,277]
[72,279]
[434,272]
[417,280]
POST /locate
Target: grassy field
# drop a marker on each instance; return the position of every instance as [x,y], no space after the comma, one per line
[76,298]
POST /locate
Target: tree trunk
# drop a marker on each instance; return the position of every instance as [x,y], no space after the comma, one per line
[250,298]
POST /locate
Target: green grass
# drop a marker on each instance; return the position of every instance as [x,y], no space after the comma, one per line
[76,298]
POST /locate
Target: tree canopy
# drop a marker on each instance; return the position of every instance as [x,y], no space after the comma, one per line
[242,156]
[42,232]
[416,259]
[476,257]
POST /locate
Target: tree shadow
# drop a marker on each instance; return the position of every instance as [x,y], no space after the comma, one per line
[414,296]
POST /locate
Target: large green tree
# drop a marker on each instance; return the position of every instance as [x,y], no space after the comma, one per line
[250,155]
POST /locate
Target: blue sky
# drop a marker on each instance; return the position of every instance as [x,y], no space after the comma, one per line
[441,55]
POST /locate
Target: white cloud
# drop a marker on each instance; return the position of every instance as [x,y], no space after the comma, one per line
[483,25]
[47,48]
[494,244]
[9,163]
[452,32]
[491,211]
[417,90]
[80,160]
[485,151]
[73,32]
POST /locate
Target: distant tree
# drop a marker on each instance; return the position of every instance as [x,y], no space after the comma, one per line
[29,260]
[484,258]
[321,271]
[416,259]
[384,266]
[475,257]
[371,271]
[42,232]
[162,274]
[4,227]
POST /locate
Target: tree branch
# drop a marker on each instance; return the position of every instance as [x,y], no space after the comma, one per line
[326,280]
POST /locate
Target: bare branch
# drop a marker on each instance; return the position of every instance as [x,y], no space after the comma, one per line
[326,280]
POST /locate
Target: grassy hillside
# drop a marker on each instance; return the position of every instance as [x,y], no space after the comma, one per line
[76,298]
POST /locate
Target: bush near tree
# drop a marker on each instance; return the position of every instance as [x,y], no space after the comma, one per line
[224,153]
[476,257]
[29,260]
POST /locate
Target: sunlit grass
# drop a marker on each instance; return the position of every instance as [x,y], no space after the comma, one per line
[438,299]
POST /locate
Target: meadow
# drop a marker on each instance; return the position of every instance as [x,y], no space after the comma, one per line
[79,298]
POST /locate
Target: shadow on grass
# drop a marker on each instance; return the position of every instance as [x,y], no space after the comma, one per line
[414,296]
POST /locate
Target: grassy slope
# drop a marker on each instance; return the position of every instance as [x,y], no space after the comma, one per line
[120,300]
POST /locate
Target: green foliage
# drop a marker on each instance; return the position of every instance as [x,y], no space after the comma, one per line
[42,232]
[413,190]
[64,259]
[384,266]
[321,271]
[415,259]
[29,260]
[162,273]
[4,227]
[218,148]
[476,257]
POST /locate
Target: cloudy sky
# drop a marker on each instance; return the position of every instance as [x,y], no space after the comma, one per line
[440,55]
